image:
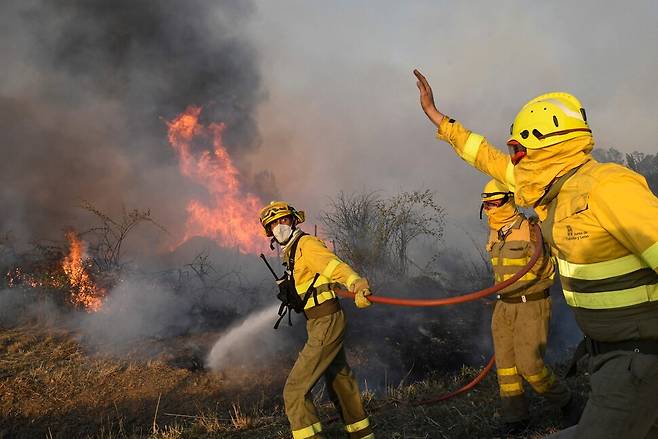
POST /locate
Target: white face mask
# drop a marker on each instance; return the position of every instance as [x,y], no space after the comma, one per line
[282,233]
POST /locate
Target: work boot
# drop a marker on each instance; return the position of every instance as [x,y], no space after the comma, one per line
[571,412]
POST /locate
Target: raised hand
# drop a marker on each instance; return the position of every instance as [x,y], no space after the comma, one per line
[427,99]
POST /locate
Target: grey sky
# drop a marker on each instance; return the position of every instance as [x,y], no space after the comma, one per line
[342,111]
[318,93]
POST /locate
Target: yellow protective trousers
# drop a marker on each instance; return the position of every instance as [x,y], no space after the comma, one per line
[323,355]
[520,332]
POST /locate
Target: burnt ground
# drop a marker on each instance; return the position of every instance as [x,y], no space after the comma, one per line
[52,386]
[56,382]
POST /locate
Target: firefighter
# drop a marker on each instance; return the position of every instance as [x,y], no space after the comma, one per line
[520,321]
[323,355]
[600,221]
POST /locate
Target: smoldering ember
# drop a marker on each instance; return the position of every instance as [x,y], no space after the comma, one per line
[265,220]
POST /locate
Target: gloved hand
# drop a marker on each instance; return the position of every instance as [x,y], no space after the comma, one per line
[361,290]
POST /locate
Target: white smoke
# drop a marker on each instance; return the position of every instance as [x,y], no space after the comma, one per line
[135,310]
[247,343]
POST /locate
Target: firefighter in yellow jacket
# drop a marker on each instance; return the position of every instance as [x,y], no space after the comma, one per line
[521,317]
[315,268]
[600,221]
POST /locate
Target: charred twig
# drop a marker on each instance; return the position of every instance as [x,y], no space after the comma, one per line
[112,233]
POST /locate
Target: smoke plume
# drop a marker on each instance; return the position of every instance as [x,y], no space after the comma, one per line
[85,96]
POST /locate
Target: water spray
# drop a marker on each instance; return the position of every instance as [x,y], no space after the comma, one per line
[241,338]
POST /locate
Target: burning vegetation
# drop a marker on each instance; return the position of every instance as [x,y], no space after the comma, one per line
[84,292]
[160,387]
[70,274]
[229,216]
[179,313]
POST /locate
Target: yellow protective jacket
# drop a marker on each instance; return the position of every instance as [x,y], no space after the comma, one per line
[312,256]
[475,150]
[600,221]
[510,248]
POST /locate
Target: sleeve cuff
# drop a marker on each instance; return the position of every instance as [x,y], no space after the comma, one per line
[350,280]
[442,133]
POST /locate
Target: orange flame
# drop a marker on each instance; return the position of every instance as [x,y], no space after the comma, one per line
[17,276]
[231,218]
[84,293]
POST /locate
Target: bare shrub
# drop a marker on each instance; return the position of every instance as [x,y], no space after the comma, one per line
[111,234]
[373,234]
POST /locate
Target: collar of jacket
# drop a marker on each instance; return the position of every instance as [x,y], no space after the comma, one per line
[505,230]
[286,248]
[554,188]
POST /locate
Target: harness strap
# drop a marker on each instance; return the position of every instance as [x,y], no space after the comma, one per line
[312,291]
[283,310]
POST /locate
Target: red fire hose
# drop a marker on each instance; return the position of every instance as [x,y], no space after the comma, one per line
[463,298]
[474,382]
[440,398]
[539,244]
[451,301]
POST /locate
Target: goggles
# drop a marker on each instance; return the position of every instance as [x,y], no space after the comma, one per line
[488,204]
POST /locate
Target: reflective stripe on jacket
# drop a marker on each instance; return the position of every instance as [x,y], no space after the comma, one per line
[602,229]
[602,220]
[313,256]
[511,248]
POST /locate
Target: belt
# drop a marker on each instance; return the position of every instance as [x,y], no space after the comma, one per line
[593,347]
[524,298]
[324,309]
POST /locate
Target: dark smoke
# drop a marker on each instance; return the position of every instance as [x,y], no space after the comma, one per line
[86,91]
[158,57]
[87,87]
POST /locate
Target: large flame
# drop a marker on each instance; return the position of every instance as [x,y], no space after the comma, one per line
[84,292]
[231,215]
[70,274]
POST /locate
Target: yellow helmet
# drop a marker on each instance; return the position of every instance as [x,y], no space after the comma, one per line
[549,119]
[276,210]
[495,190]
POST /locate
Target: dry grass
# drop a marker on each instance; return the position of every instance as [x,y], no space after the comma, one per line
[239,419]
[49,386]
